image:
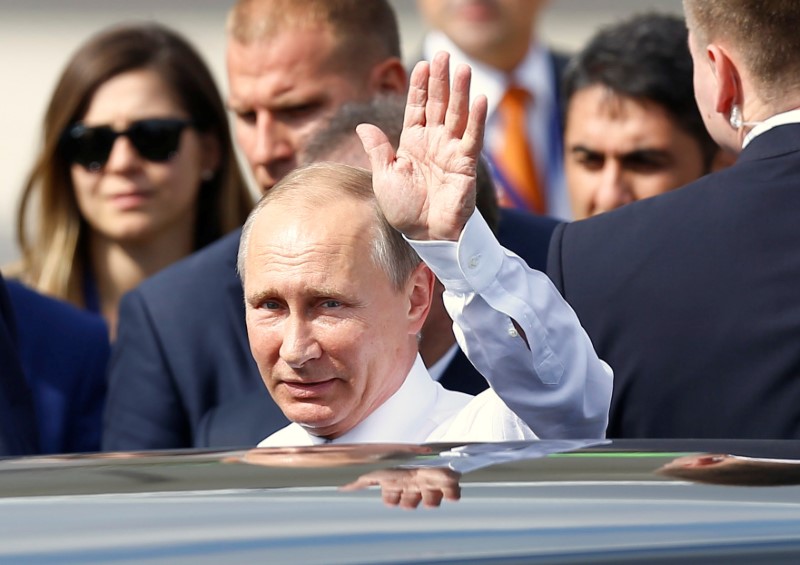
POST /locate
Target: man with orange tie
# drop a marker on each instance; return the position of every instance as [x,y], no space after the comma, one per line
[520,78]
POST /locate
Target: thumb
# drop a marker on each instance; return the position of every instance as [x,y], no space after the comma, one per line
[359,484]
[376,145]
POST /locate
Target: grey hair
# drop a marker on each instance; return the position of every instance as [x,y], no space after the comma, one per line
[323,183]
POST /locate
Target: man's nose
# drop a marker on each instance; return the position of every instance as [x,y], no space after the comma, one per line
[299,345]
[613,188]
[273,140]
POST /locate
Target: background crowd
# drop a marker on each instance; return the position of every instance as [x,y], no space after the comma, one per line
[136,171]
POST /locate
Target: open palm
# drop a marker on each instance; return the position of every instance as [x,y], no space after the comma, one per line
[427,188]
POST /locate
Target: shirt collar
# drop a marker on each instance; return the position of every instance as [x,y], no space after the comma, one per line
[404,418]
[784,118]
[533,73]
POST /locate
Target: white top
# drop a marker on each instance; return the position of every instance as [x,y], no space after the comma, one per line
[559,386]
[423,411]
[534,74]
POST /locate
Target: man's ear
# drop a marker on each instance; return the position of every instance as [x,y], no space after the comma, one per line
[389,77]
[729,84]
[419,290]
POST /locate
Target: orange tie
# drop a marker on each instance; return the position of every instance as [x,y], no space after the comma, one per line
[516,161]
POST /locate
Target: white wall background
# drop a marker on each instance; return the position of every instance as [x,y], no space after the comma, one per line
[38,36]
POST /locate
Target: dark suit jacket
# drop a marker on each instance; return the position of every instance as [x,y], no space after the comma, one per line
[64,353]
[693,299]
[182,374]
[17,421]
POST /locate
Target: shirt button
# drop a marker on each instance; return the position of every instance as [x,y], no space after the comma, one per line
[474,261]
[512,332]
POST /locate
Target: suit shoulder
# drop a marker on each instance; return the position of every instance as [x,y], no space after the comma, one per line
[648,216]
[527,235]
[51,315]
[215,264]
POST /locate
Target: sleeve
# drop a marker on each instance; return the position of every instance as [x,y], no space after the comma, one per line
[143,408]
[555,382]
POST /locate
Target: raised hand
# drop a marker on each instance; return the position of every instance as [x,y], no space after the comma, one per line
[426,189]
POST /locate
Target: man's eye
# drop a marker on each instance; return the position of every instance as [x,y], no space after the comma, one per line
[331,304]
[645,166]
[593,162]
[248,117]
[301,111]
[647,162]
[270,305]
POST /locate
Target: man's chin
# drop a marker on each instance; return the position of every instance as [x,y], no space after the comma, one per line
[316,419]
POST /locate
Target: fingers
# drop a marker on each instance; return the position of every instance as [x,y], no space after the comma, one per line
[438,89]
[359,484]
[410,499]
[376,145]
[472,141]
[432,497]
[448,105]
[417,96]
[458,109]
[452,492]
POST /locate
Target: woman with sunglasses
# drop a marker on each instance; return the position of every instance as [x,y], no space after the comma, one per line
[137,169]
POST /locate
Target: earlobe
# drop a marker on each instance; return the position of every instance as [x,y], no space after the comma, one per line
[389,77]
[420,295]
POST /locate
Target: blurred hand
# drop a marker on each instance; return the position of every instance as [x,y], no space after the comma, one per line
[427,189]
[408,487]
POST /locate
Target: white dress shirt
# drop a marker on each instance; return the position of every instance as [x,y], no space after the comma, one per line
[556,383]
[784,118]
[534,74]
[423,411]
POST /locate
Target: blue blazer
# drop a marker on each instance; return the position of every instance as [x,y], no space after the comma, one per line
[693,298]
[17,420]
[64,353]
[181,373]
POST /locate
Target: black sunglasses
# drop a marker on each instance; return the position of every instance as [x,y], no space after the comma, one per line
[156,140]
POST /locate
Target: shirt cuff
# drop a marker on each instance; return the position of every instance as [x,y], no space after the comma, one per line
[469,265]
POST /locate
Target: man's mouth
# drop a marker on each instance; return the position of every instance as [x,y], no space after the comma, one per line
[307,389]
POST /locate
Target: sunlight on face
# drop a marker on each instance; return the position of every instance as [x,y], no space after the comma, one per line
[281,91]
[329,333]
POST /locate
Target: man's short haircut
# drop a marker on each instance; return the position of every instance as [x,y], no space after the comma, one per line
[320,184]
[646,58]
[367,30]
[765,33]
[386,112]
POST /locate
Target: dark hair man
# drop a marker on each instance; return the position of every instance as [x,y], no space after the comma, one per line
[692,296]
[632,127]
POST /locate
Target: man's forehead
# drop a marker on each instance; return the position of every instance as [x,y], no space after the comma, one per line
[596,105]
[308,46]
[286,72]
[335,219]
